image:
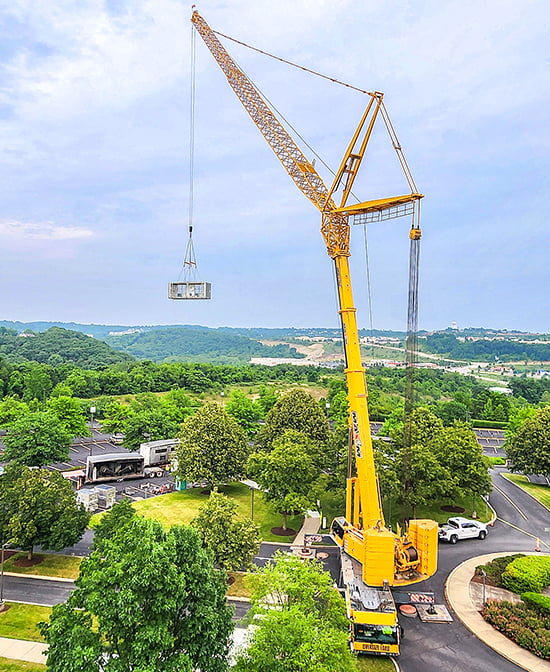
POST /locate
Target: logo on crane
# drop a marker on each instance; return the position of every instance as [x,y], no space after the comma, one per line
[356,436]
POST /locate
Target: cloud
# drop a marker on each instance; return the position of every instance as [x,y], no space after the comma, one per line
[45,231]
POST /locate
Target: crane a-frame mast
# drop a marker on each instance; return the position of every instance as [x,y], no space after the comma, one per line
[385,557]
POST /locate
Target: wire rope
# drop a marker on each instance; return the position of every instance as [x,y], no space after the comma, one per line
[189,265]
[294,65]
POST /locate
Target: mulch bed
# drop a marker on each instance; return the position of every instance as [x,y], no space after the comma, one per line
[450,508]
[489,581]
[280,532]
[25,562]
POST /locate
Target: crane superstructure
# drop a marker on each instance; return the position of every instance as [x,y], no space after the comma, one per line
[374,557]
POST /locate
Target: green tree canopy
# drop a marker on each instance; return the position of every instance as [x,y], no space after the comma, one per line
[212,447]
[245,410]
[154,606]
[69,412]
[148,425]
[529,448]
[303,624]
[296,410]
[233,541]
[287,474]
[459,452]
[37,438]
[39,507]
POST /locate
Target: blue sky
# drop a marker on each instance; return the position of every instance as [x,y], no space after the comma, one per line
[94,170]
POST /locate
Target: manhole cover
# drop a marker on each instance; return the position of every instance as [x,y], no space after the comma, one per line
[322,555]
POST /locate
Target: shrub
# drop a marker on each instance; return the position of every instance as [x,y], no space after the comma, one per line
[538,602]
[524,626]
[496,567]
[528,574]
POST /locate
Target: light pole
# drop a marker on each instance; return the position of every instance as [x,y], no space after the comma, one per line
[222,395]
[92,411]
[484,575]
[2,581]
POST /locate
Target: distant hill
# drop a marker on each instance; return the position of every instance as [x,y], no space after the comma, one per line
[58,346]
[182,344]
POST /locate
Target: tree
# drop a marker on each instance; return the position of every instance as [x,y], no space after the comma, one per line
[156,606]
[37,438]
[290,640]
[39,507]
[529,448]
[296,410]
[303,624]
[69,412]
[451,411]
[110,523]
[287,474]
[245,411]
[11,408]
[212,447]
[233,542]
[148,425]
[115,415]
[38,382]
[459,452]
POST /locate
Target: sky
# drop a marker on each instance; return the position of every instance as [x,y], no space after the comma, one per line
[95,126]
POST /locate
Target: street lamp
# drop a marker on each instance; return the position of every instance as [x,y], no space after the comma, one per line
[92,411]
[222,395]
[2,579]
[484,575]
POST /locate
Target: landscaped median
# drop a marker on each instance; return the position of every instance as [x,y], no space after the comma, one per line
[539,492]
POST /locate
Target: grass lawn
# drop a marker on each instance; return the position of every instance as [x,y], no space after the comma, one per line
[374,664]
[19,621]
[238,588]
[179,508]
[65,566]
[434,512]
[540,492]
[10,665]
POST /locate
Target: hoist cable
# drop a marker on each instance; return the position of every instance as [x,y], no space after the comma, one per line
[192,131]
[189,265]
[369,286]
[294,65]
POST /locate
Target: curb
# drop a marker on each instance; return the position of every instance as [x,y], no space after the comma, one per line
[474,622]
[39,576]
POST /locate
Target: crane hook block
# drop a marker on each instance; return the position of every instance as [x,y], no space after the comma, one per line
[189,290]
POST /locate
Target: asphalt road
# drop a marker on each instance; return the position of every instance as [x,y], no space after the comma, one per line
[426,647]
[451,647]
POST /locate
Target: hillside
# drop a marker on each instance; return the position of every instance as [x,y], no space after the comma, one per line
[58,346]
[182,344]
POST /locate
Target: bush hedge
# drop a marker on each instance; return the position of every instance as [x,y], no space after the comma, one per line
[538,602]
[528,574]
[524,626]
[496,567]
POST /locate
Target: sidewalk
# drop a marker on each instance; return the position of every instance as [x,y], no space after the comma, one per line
[311,525]
[464,598]
[20,649]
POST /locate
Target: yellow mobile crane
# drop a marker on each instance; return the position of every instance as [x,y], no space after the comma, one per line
[373,557]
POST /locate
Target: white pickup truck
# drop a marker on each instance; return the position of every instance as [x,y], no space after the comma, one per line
[461,528]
